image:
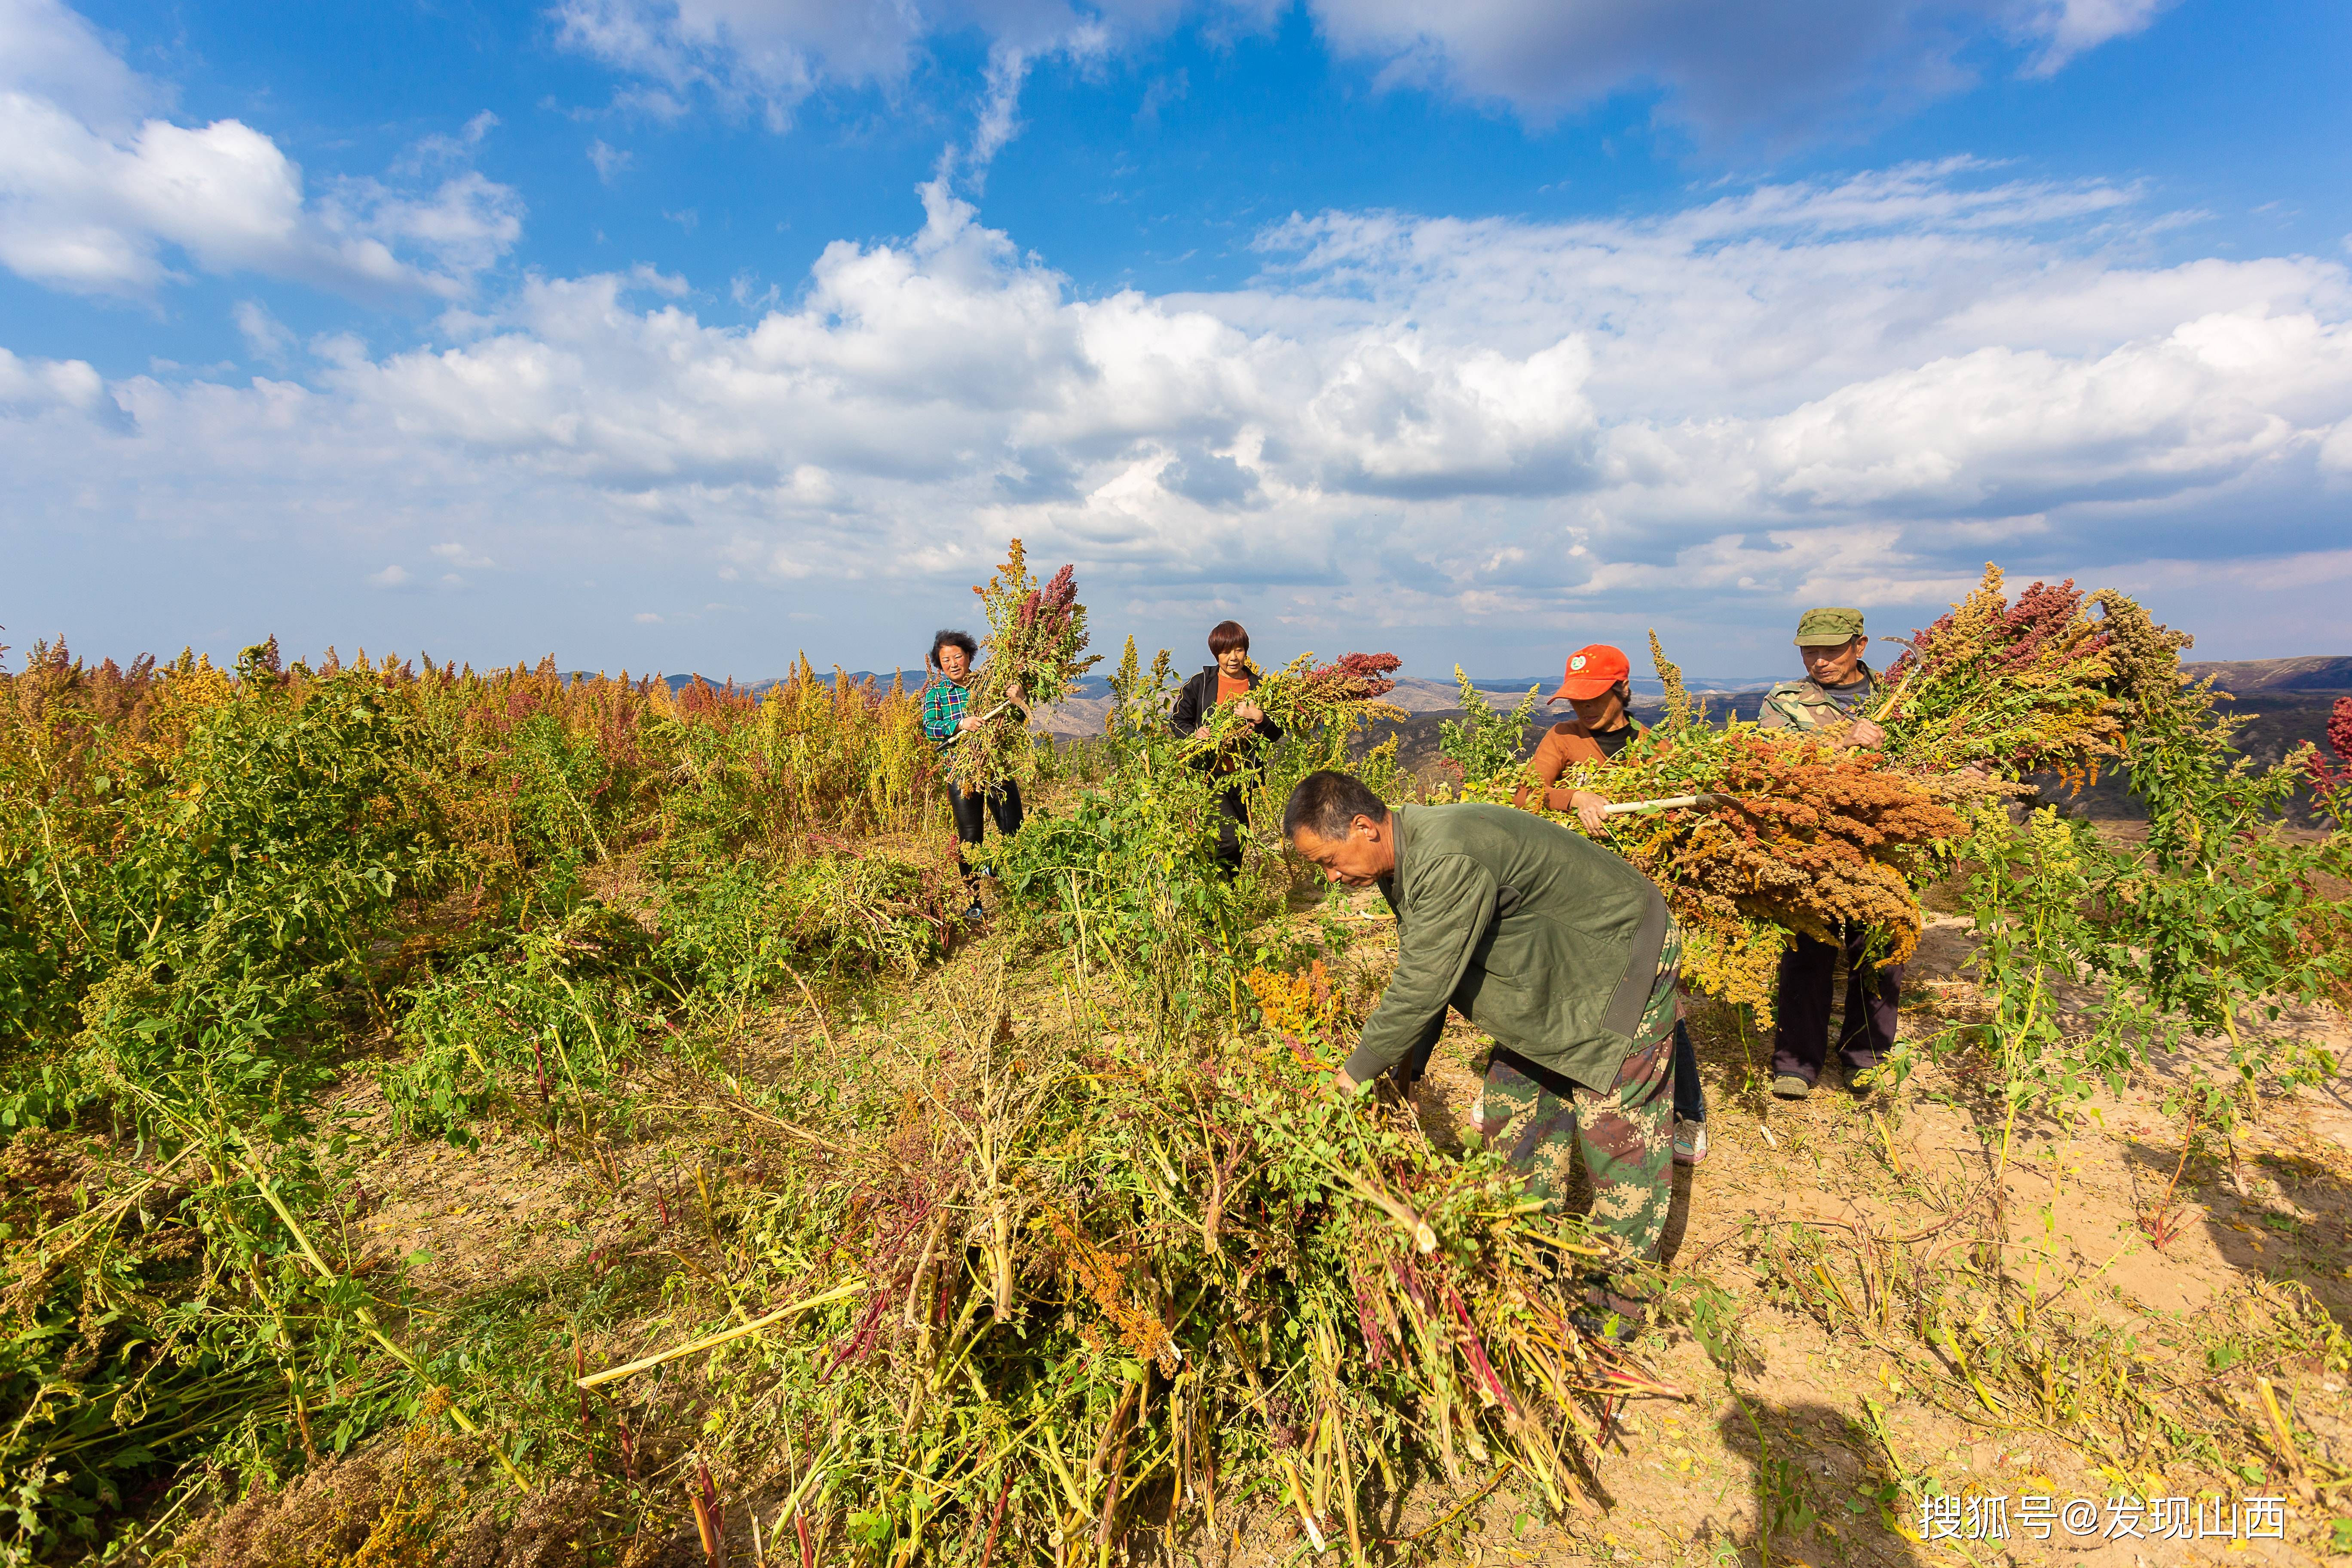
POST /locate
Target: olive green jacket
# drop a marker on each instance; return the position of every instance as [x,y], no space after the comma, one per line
[1540,937]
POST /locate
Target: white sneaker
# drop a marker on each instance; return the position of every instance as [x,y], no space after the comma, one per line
[1690,1142]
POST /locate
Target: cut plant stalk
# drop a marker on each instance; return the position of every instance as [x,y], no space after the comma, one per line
[712,1342]
[1667,803]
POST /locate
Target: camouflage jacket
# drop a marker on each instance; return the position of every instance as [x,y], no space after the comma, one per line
[1808,705]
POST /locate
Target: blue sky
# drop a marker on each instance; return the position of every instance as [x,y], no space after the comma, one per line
[684,335]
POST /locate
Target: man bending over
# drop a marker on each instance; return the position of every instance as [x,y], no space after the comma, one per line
[1552,944]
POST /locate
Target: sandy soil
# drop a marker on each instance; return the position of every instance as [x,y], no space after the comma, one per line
[1688,1483]
[1815,1425]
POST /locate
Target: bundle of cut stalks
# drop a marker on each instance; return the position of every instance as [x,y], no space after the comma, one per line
[2021,688]
[1037,633]
[1105,1292]
[1799,834]
[1794,834]
[1304,695]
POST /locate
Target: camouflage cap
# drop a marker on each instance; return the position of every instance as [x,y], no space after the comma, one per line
[1828,628]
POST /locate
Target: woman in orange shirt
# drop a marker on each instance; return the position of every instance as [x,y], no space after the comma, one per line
[1229,680]
[1598,683]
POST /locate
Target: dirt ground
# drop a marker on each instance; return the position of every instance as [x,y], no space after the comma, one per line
[1824,1432]
[1690,1482]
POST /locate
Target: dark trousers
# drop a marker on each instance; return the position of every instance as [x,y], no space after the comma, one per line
[1800,1043]
[1690,1096]
[1002,803]
[1232,817]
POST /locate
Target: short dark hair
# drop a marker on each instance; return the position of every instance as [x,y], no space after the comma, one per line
[954,640]
[1328,802]
[1227,635]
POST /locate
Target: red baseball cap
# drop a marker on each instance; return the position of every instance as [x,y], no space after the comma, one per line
[1592,672]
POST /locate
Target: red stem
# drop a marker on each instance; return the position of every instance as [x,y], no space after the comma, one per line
[995,1521]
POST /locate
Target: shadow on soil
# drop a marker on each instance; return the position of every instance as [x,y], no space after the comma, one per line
[1822,1491]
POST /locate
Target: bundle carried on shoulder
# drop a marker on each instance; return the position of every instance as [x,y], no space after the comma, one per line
[1795,833]
[2022,688]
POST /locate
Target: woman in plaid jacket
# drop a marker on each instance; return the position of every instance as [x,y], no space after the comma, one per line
[950,662]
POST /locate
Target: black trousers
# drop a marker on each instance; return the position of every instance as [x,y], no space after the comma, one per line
[1002,803]
[1690,1095]
[1800,1043]
[1233,815]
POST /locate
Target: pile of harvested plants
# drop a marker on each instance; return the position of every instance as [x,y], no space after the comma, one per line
[1086,1292]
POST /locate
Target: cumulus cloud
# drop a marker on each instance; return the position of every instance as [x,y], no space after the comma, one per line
[1852,390]
[98,196]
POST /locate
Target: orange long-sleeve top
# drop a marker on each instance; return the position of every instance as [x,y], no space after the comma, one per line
[1568,743]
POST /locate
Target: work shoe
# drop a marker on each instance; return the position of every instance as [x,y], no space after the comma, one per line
[1611,1328]
[1609,1314]
[1860,1080]
[1788,1086]
[975,914]
[1690,1142]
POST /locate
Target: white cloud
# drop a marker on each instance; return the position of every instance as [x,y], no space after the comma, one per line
[95,201]
[999,123]
[51,53]
[466,556]
[38,386]
[1724,65]
[2027,430]
[1857,390]
[390,577]
[2069,27]
[609,160]
[264,335]
[771,54]
[2336,452]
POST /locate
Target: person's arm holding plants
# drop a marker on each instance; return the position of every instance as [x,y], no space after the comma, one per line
[1453,903]
[1229,680]
[1562,746]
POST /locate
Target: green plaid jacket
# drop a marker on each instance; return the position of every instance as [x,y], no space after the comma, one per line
[942,710]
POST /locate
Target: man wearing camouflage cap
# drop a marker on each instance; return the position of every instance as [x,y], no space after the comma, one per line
[1834,699]
[1835,693]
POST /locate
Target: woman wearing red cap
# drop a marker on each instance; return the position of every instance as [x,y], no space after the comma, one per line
[1597,682]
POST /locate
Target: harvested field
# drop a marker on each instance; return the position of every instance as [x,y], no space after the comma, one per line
[493,1119]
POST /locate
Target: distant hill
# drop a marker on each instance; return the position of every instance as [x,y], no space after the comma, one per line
[2312,673]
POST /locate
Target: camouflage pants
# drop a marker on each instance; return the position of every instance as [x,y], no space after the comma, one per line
[1540,1120]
